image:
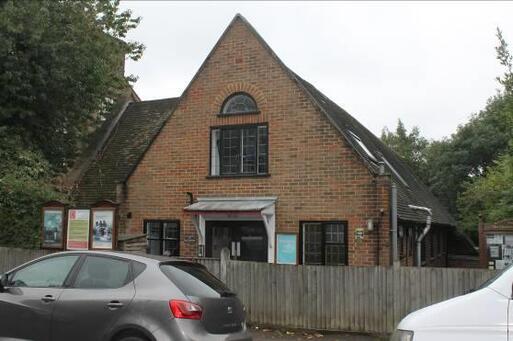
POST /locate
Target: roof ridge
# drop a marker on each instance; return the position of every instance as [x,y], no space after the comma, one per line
[156,100]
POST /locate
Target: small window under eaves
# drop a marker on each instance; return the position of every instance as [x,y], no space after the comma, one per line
[366,150]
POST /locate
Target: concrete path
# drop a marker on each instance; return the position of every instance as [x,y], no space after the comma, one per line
[261,334]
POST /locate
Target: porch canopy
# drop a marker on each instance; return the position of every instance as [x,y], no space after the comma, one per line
[234,208]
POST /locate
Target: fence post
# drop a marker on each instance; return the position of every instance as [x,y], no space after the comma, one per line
[225,258]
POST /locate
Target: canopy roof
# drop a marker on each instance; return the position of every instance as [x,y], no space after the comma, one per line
[234,204]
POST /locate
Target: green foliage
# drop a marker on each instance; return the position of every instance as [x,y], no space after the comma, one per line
[490,196]
[24,185]
[490,193]
[410,146]
[470,172]
[470,151]
[62,67]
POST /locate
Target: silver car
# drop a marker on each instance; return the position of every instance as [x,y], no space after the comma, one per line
[117,297]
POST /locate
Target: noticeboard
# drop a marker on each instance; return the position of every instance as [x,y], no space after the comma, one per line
[286,248]
[102,229]
[53,232]
[78,229]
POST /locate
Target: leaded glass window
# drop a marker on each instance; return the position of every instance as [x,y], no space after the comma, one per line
[163,237]
[239,103]
[312,243]
[324,243]
[239,150]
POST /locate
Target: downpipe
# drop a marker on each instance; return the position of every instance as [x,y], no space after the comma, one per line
[395,250]
[424,232]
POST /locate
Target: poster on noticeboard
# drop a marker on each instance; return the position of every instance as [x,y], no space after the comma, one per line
[102,229]
[78,229]
[53,228]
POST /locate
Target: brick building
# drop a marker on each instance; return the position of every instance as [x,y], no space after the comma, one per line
[250,151]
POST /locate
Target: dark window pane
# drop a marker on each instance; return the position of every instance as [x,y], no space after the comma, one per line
[155,247]
[194,280]
[230,151]
[335,254]
[239,104]
[312,243]
[46,273]
[163,238]
[171,230]
[170,248]
[103,272]
[249,148]
[334,233]
[262,150]
[154,230]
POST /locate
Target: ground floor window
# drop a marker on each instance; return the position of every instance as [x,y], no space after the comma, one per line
[163,237]
[324,243]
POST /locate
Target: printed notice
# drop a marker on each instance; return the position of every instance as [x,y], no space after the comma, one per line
[78,230]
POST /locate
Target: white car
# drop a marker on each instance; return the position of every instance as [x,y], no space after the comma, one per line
[483,315]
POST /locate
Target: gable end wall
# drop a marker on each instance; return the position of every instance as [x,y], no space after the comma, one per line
[314,173]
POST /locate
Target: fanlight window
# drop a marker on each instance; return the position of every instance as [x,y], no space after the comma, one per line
[240,103]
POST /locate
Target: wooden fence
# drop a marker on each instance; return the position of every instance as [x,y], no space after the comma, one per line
[12,257]
[359,299]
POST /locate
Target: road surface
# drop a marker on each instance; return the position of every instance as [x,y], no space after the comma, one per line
[261,334]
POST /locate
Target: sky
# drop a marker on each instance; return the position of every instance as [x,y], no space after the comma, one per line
[430,64]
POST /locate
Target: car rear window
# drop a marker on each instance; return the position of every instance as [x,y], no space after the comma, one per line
[194,280]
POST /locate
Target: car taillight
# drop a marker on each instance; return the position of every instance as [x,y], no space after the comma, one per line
[185,310]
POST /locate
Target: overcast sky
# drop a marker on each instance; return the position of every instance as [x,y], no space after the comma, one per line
[431,64]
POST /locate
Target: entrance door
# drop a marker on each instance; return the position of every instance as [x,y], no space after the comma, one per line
[250,237]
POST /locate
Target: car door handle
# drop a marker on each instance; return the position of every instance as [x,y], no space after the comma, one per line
[48,298]
[113,305]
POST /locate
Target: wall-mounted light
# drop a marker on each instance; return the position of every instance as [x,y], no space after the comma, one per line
[190,198]
[370,225]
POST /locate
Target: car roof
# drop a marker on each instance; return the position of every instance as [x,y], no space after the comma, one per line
[136,256]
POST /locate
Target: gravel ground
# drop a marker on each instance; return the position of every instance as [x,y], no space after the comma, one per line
[260,334]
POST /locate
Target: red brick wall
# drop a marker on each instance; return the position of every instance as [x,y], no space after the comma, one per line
[313,172]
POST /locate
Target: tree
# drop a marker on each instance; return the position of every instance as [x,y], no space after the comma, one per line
[449,165]
[470,151]
[411,147]
[61,65]
[490,193]
[490,196]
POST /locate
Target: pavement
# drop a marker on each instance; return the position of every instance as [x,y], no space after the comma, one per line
[261,334]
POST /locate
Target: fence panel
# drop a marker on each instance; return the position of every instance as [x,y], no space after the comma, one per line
[359,299]
[12,257]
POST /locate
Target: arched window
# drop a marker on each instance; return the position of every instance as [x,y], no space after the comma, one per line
[239,103]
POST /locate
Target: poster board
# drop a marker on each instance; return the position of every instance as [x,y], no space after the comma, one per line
[53,227]
[286,248]
[102,231]
[78,229]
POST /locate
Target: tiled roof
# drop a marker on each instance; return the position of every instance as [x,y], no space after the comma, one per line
[129,140]
[411,191]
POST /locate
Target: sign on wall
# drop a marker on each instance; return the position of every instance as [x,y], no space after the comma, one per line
[78,230]
[102,229]
[286,248]
[53,227]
